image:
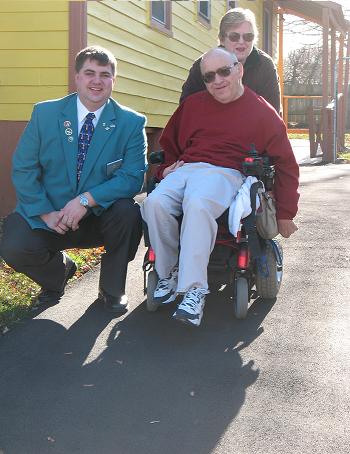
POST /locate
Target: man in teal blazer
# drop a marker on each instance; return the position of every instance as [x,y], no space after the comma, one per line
[76,169]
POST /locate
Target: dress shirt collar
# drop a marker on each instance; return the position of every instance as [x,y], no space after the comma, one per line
[83,111]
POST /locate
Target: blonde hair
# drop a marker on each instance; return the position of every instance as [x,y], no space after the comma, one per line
[233,18]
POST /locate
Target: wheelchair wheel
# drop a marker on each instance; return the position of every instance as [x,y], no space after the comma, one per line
[241,299]
[152,281]
[268,287]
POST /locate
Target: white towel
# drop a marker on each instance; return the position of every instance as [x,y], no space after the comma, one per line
[240,207]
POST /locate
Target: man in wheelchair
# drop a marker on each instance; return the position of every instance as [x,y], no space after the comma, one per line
[205,143]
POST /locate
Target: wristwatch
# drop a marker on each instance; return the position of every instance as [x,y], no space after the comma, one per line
[83,200]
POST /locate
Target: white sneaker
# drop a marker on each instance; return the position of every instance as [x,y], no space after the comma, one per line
[190,310]
[165,290]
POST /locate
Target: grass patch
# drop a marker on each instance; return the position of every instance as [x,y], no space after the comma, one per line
[294,135]
[345,156]
[17,291]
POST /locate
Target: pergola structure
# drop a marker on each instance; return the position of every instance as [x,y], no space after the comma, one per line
[336,38]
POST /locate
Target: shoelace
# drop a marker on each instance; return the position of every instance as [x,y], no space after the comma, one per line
[193,298]
[163,284]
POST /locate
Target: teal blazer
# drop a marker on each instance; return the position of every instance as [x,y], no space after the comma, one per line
[45,161]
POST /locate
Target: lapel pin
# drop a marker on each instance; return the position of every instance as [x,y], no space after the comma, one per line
[68,131]
[112,126]
[107,128]
[70,139]
[66,124]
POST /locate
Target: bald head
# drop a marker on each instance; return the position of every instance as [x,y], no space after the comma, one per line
[222,74]
[218,52]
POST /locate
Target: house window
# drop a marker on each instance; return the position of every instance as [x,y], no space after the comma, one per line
[204,12]
[231,4]
[267,45]
[161,15]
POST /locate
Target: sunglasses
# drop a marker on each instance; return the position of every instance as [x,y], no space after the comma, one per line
[224,71]
[235,37]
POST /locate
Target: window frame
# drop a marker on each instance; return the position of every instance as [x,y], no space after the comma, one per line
[205,20]
[158,25]
[228,6]
[267,31]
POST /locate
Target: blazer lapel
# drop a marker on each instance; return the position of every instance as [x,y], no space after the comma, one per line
[105,127]
[68,127]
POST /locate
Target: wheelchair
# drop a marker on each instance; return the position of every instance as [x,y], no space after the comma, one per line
[249,265]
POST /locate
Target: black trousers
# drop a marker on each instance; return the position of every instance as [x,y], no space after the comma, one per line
[37,253]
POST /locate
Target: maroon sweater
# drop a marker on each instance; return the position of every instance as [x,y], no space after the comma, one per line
[205,130]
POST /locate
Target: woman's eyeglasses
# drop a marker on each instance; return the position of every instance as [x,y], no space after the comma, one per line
[224,71]
[235,37]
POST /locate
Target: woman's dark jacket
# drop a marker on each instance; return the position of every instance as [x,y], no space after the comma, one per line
[260,75]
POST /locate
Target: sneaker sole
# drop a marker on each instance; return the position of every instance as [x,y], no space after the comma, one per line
[183,318]
[165,299]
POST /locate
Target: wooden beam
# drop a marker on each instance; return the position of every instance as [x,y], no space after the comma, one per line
[301,15]
[341,64]
[346,81]
[280,60]
[326,124]
[77,37]
[334,22]
[341,113]
[333,59]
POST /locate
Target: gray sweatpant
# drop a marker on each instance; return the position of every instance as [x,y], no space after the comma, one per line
[201,192]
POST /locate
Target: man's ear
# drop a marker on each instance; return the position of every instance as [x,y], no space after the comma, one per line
[240,69]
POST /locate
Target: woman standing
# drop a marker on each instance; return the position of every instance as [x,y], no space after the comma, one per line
[238,33]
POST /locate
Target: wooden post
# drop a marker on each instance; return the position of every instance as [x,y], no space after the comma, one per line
[333,59]
[326,133]
[341,130]
[346,82]
[285,110]
[77,37]
[312,131]
[341,64]
[280,60]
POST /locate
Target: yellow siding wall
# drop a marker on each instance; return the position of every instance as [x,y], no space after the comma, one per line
[151,65]
[33,55]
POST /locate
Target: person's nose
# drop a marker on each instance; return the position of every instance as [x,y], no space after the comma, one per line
[97,79]
[218,79]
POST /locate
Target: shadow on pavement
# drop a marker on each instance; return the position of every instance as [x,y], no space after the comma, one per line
[157,387]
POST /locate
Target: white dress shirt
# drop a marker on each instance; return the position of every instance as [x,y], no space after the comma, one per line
[83,111]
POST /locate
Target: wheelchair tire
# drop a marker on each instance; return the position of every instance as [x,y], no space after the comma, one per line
[268,287]
[241,299]
[152,281]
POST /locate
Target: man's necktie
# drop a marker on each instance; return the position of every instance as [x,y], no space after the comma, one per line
[84,140]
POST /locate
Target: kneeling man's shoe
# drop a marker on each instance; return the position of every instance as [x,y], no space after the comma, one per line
[117,305]
[51,297]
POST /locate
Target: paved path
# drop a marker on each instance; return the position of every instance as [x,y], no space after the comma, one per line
[72,380]
[301,148]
